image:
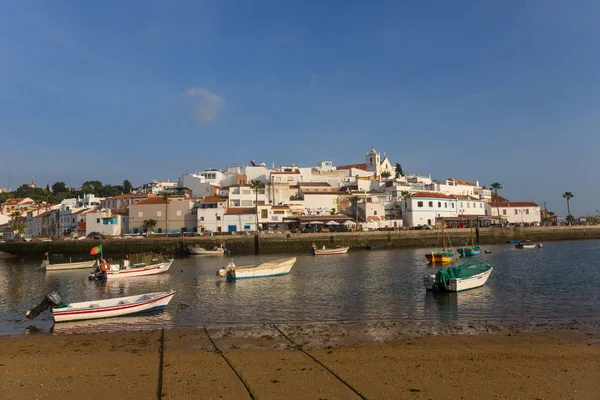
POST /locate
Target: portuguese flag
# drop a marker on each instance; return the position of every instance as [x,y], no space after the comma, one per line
[96,250]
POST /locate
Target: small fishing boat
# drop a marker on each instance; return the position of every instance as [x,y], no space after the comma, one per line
[140,264]
[58,262]
[101,308]
[525,246]
[470,275]
[443,256]
[324,251]
[216,251]
[474,249]
[262,270]
[513,241]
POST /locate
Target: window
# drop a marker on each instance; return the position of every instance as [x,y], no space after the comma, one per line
[264,213]
[468,205]
[445,204]
[278,212]
[474,205]
[97,220]
[159,213]
[246,191]
[461,204]
[178,213]
[431,204]
[527,211]
[218,217]
[290,179]
[201,218]
[452,205]
[504,211]
[480,205]
[73,220]
[516,212]
[374,212]
[419,204]
[140,214]
[439,204]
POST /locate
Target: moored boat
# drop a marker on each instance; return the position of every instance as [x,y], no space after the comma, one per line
[217,251]
[469,251]
[525,246]
[102,308]
[140,264]
[513,241]
[325,251]
[443,256]
[469,275]
[262,270]
[47,265]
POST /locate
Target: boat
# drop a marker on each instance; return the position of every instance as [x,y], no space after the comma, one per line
[58,262]
[95,309]
[216,251]
[474,249]
[526,246]
[443,256]
[268,268]
[324,251]
[469,275]
[140,264]
[513,241]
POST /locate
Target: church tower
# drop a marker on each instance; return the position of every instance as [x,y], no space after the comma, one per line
[374,162]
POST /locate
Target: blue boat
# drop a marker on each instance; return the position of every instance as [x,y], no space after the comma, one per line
[469,251]
[513,241]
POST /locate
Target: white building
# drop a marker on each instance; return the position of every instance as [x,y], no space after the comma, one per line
[210,213]
[516,212]
[272,217]
[204,183]
[470,206]
[106,222]
[156,187]
[425,208]
[244,196]
[240,219]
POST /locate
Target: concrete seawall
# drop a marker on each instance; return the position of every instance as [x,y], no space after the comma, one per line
[301,243]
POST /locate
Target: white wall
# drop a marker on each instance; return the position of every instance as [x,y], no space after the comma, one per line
[240,222]
[516,215]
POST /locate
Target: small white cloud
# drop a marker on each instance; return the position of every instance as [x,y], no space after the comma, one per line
[208,106]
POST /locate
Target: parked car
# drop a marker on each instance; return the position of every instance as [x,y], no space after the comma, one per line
[96,235]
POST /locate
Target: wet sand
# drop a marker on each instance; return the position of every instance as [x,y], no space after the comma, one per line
[335,361]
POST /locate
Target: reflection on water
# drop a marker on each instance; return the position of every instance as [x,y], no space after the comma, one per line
[558,281]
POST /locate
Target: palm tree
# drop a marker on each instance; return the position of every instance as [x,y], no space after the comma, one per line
[166,196]
[149,224]
[19,227]
[256,185]
[568,196]
[405,194]
[497,186]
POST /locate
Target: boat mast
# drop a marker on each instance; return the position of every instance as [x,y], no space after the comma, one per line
[443,237]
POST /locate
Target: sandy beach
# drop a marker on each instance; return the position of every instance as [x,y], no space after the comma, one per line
[338,361]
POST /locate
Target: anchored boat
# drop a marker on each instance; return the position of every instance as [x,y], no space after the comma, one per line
[443,256]
[324,251]
[140,264]
[262,270]
[101,308]
[469,275]
[217,251]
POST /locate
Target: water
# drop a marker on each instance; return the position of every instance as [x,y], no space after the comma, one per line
[559,282]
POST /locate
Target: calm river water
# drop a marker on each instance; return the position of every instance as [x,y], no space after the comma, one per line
[559,282]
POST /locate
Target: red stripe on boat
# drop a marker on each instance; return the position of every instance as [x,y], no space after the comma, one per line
[109,308]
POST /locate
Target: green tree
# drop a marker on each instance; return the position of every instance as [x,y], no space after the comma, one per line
[149,224]
[19,227]
[569,196]
[495,187]
[92,187]
[256,185]
[386,174]
[399,171]
[127,186]
[59,187]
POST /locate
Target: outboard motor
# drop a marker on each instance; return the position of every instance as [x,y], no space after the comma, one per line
[97,276]
[51,300]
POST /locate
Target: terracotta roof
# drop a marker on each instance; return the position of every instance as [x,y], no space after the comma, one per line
[357,166]
[462,197]
[79,212]
[461,182]
[514,204]
[213,199]
[314,184]
[15,200]
[151,200]
[431,195]
[44,213]
[240,211]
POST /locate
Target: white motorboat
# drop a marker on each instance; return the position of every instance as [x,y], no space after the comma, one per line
[102,308]
[456,279]
[262,270]
[60,266]
[217,251]
[324,251]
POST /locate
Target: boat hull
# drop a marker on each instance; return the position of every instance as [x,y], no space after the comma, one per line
[112,307]
[525,246]
[468,251]
[438,258]
[263,270]
[460,284]
[324,252]
[203,251]
[67,266]
[153,269]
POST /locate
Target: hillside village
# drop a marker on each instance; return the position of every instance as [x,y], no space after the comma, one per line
[367,196]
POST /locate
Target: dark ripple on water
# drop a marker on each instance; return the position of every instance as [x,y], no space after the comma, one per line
[556,284]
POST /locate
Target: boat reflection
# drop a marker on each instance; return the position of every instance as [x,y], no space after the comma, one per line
[449,306]
[147,321]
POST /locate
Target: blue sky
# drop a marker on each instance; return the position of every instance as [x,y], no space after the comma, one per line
[494,91]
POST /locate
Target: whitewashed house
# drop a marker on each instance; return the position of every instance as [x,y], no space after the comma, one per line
[210,213]
[238,219]
[515,212]
[107,222]
[426,208]
[470,206]
[243,195]
[272,217]
[204,183]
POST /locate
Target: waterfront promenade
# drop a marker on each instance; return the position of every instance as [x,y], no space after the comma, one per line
[260,362]
[300,243]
